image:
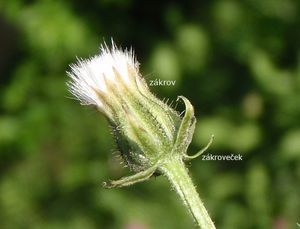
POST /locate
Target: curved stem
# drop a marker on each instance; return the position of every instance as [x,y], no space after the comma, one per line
[177,174]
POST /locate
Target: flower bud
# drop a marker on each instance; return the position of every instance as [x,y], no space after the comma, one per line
[145,128]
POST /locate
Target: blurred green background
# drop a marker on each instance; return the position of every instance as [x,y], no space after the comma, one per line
[237,61]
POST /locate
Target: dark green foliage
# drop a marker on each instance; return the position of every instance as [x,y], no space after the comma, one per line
[238,62]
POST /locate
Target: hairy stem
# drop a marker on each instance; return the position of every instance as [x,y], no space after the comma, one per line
[177,174]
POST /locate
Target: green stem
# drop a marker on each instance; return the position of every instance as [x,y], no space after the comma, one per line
[177,174]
